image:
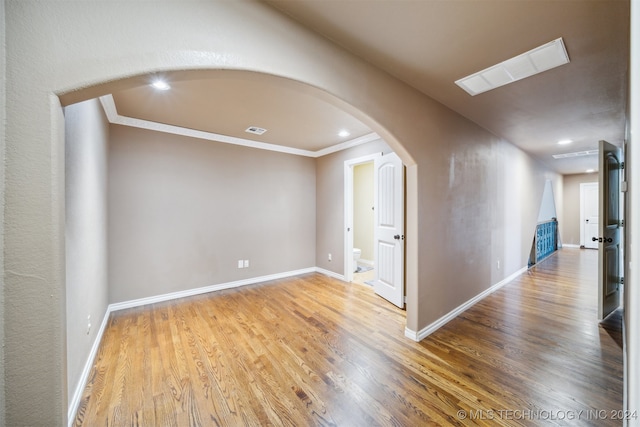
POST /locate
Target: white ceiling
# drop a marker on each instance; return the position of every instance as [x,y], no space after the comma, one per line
[430,44]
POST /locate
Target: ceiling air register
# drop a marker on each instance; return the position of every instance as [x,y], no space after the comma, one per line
[535,61]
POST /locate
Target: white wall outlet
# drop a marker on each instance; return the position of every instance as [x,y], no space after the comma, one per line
[240,263]
[88,324]
[329,257]
[246,263]
[498,264]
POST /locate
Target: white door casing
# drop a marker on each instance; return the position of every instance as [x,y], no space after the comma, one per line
[389,228]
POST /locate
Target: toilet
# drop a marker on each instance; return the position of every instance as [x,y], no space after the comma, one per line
[356,256]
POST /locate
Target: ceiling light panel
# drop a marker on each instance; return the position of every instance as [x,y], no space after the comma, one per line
[542,58]
[576,154]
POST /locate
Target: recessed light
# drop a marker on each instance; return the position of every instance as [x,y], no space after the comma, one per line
[343,134]
[565,142]
[160,85]
[590,170]
[542,58]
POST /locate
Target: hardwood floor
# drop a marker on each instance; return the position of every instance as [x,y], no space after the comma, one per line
[312,350]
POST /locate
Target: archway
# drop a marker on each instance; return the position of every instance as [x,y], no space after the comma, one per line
[77,341]
[50,68]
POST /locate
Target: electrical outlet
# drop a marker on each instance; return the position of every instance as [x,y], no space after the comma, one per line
[498,264]
[88,324]
[246,263]
[240,263]
[329,257]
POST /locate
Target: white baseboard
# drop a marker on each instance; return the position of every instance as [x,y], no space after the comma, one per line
[330,274]
[366,262]
[567,245]
[429,329]
[206,289]
[84,376]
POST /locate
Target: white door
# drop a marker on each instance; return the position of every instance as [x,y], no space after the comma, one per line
[389,228]
[609,279]
[589,194]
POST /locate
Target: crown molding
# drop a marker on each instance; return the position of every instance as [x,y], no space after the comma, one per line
[113,117]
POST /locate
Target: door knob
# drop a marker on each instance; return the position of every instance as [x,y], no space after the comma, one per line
[398,237]
[602,239]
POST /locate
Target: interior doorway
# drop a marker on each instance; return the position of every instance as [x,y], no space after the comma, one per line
[589,215]
[363,223]
[359,212]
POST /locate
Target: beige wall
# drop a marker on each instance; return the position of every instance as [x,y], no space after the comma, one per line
[469,194]
[362,210]
[87,134]
[570,229]
[183,211]
[479,201]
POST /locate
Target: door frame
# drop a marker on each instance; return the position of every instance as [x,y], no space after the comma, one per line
[583,186]
[610,230]
[348,210]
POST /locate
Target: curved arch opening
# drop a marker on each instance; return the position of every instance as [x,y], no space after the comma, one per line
[176,77]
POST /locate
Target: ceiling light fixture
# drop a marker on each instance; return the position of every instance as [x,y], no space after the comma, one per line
[160,85]
[343,134]
[565,142]
[542,58]
[576,154]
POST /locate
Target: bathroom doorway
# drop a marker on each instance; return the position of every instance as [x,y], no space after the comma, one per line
[359,219]
[363,223]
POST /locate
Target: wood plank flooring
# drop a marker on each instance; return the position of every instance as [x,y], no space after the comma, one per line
[314,351]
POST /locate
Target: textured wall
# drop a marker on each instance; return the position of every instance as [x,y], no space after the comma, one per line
[460,181]
[87,134]
[183,211]
[2,147]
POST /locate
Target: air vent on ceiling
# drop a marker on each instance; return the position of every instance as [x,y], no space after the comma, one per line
[542,58]
[576,154]
[255,130]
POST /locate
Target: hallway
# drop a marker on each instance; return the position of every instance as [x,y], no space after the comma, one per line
[312,350]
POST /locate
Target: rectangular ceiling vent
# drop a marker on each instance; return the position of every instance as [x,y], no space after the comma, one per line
[255,130]
[576,154]
[542,58]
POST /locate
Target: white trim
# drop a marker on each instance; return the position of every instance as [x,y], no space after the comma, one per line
[330,273]
[197,291]
[428,330]
[84,376]
[111,112]
[347,144]
[568,245]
